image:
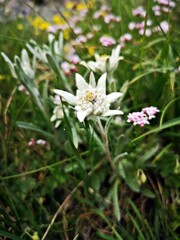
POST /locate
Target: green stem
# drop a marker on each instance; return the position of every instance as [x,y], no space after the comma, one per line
[106,143]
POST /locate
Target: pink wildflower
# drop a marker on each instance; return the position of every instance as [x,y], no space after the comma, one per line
[132,25]
[125,38]
[150,112]
[41,142]
[107,41]
[147,33]
[23,89]
[140,25]
[156,8]
[111,18]
[77,30]
[66,68]
[81,39]
[32,142]
[172,4]
[75,59]
[139,11]
[165,9]
[167,3]
[138,118]
[73,68]
[164,26]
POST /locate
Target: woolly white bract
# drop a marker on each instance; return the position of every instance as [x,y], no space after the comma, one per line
[104,63]
[91,99]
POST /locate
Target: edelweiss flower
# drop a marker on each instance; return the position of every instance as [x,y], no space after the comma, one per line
[58,113]
[105,63]
[91,99]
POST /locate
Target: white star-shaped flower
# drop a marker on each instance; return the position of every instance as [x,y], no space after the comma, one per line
[91,99]
[104,63]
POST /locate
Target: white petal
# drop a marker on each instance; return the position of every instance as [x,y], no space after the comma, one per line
[81,115]
[81,83]
[112,97]
[68,97]
[53,118]
[112,112]
[24,56]
[93,66]
[83,63]
[116,51]
[97,57]
[50,37]
[92,81]
[102,83]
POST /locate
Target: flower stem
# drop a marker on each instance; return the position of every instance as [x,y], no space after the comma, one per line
[106,143]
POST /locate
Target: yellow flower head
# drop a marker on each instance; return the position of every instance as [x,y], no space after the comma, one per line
[69,5]
[91,50]
[20,26]
[81,6]
[58,20]
[66,33]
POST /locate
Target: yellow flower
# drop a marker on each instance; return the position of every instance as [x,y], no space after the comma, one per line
[66,14]
[69,5]
[20,26]
[39,23]
[44,26]
[58,20]
[90,4]
[141,177]
[81,6]
[91,50]
[66,33]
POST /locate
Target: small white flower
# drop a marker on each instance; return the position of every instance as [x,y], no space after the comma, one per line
[105,63]
[27,67]
[58,114]
[91,99]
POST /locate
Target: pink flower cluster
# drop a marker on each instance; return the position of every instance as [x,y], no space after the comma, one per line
[111,18]
[166,3]
[165,6]
[34,142]
[139,11]
[107,41]
[68,68]
[140,27]
[127,37]
[163,26]
[141,118]
[104,9]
